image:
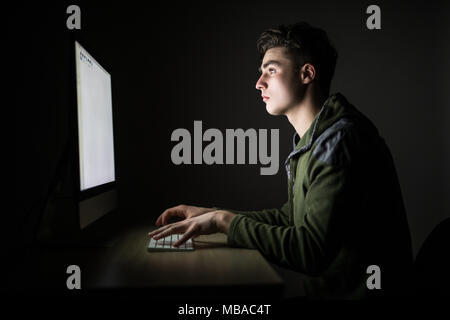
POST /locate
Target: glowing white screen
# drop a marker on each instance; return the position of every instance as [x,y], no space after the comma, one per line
[95,122]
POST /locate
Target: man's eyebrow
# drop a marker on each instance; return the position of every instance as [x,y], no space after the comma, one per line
[275,62]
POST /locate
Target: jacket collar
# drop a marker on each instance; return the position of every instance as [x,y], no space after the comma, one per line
[334,108]
[300,145]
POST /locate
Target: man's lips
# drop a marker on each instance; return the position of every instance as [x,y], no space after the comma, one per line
[265,97]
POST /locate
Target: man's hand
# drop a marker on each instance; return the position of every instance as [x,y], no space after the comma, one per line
[206,223]
[182,211]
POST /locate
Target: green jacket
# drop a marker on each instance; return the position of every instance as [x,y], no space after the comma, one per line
[344,210]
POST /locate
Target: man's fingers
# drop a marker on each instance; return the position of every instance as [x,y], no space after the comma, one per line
[155,232]
[166,217]
[159,220]
[171,212]
[168,232]
[186,236]
[162,218]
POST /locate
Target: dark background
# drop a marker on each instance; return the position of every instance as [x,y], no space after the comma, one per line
[172,64]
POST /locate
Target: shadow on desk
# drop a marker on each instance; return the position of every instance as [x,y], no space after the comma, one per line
[200,245]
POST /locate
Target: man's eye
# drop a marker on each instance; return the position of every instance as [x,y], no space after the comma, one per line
[272,71]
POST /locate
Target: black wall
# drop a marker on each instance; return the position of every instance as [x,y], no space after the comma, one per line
[172,64]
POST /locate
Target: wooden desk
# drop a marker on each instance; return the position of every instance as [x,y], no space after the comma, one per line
[213,270]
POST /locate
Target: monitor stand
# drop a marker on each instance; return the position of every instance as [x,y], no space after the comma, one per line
[60,226]
[105,232]
[59,221]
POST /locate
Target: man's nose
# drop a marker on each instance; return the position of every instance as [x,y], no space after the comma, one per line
[261,84]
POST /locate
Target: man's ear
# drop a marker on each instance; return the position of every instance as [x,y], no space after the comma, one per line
[307,73]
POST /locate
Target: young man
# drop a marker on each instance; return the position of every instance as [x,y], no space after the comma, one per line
[345,212]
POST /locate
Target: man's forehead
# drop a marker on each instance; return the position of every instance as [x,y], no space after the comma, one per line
[278,53]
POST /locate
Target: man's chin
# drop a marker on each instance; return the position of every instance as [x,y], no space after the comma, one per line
[273,111]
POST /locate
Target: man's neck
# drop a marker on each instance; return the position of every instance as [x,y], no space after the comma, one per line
[302,115]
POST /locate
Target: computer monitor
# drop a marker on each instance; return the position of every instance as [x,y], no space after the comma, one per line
[95,139]
[84,185]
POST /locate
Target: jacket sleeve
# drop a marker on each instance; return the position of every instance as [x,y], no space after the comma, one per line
[276,216]
[310,245]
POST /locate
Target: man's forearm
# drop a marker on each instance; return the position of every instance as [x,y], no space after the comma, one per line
[223,220]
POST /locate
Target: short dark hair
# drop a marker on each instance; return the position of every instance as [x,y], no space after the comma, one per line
[307,44]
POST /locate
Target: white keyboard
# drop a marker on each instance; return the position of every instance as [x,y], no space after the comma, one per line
[165,244]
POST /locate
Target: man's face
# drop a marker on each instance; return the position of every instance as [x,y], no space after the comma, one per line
[279,82]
